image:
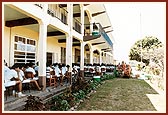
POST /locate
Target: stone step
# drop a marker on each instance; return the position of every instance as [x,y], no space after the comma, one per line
[18,104]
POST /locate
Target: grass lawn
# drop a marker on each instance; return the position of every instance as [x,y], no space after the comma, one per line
[120,95]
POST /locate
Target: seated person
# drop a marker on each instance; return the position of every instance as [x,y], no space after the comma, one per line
[48,69]
[103,68]
[26,80]
[68,73]
[98,70]
[64,70]
[11,78]
[58,72]
[30,69]
[75,70]
[36,68]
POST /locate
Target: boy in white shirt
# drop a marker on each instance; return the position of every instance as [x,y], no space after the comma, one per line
[58,72]
[23,79]
[11,78]
[30,68]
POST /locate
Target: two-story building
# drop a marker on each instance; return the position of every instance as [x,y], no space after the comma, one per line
[54,32]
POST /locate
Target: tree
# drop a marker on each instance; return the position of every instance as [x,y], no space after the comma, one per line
[145,47]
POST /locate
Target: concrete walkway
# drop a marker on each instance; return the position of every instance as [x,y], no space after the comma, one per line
[158,100]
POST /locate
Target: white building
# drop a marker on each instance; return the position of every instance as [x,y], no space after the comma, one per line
[55,32]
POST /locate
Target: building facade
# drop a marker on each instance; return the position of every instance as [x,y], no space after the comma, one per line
[53,32]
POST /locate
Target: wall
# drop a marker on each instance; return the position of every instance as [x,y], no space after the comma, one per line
[54,47]
[8,47]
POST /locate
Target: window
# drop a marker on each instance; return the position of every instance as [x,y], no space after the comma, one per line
[49,58]
[24,50]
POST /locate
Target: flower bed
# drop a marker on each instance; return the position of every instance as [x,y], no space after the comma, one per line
[71,98]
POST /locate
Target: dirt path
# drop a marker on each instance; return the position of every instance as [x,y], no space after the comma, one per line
[120,95]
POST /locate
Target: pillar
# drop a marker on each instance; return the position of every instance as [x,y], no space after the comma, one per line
[100,58]
[69,37]
[91,27]
[82,59]
[69,51]
[82,43]
[42,42]
[91,56]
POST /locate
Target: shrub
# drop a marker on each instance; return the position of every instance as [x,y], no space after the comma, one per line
[34,103]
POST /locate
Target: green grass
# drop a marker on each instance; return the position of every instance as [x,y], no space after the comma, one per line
[120,95]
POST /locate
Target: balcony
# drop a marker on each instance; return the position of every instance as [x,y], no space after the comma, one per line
[58,12]
[77,25]
[96,31]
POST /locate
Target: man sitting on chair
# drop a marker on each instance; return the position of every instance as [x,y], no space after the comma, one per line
[58,72]
[24,79]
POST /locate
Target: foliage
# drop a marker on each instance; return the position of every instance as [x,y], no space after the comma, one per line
[33,103]
[107,77]
[58,103]
[147,45]
[79,95]
[79,89]
[80,84]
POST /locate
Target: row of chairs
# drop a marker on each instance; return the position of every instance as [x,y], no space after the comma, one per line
[97,70]
[52,79]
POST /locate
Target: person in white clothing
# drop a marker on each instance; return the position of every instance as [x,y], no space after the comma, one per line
[23,79]
[64,70]
[11,78]
[30,68]
[103,68]
[36,68]
[58,72]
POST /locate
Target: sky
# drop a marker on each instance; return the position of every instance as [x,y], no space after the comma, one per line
[132,21]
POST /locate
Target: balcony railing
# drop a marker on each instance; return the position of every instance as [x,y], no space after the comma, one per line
[60,13]
[77,25]
[97,30]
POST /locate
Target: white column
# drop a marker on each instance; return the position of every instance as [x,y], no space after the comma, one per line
[82,56]
[82,43]
[70,15]
[106,59]
[11,48]
[42,43]
[69,51]
[82,19]
[91,27]
[69,37]
[100,60]
[91,56]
